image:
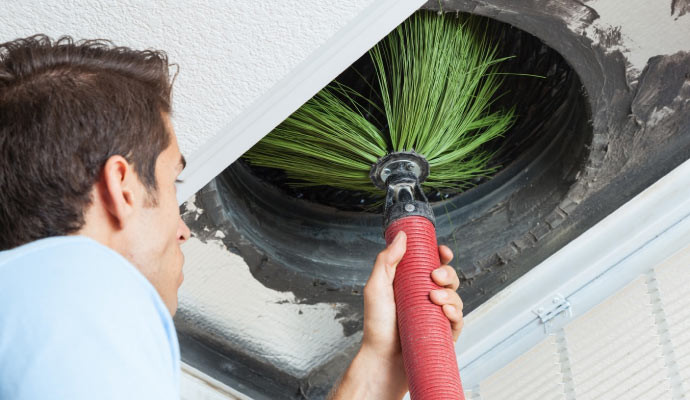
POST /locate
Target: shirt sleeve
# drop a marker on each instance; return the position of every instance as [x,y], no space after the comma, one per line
[84,331]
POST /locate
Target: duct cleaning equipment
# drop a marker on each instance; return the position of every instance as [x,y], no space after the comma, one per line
[426,129]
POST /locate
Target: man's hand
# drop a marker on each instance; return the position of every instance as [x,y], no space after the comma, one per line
[377,371]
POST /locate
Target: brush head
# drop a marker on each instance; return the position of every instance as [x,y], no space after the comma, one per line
[434,85]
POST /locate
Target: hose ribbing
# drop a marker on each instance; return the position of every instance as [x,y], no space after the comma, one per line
[425,334]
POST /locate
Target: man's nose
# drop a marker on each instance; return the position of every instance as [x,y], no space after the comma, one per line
[183,232]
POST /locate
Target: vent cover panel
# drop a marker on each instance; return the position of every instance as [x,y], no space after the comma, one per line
[614,348]
[534,375]
[673,277]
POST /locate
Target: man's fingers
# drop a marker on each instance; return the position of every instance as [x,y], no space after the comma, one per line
[446,276]
[445,253]
[452,312]
[455,318]
[452,305]
[446,296]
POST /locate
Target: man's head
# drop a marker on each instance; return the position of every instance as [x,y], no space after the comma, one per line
[86,147]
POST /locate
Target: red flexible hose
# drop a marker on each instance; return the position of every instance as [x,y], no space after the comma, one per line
[425,334]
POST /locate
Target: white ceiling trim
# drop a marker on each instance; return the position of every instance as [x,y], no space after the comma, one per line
[629,242]
[196,385]
[338,53]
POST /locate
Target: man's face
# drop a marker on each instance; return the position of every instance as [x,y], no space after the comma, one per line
[159,230]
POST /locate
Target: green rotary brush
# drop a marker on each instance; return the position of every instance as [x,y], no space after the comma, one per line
[425,130]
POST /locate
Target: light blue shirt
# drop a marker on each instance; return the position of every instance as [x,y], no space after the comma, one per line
[78,321]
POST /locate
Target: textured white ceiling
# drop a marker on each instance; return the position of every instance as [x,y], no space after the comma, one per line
[229,53]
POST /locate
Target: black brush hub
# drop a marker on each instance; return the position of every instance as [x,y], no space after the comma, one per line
[401,174]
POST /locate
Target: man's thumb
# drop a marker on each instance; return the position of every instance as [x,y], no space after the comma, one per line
[384,267]
[395,251]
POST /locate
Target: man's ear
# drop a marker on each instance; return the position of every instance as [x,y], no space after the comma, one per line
[119,188]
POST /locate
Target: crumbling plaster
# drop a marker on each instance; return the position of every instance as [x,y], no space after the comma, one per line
[625,27]
[221,295]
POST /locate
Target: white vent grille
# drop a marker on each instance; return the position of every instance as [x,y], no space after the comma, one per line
[614,349]
[534,375]
[633,345]
[673,280]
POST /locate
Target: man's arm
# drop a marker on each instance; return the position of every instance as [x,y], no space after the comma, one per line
[377,370]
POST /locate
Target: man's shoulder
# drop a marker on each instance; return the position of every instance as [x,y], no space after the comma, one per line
[70,265]
[60,250]
[72,302]
[58,276]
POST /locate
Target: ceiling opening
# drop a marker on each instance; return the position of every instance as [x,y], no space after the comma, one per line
[329,236]
[586,140]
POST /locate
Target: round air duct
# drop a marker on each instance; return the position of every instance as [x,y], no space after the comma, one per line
[320,242]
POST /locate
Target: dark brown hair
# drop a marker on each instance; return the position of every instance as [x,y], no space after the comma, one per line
[65,108]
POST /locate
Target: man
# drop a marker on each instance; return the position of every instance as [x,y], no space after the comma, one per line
[91,233]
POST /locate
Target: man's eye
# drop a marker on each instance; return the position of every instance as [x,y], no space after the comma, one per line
[178,181]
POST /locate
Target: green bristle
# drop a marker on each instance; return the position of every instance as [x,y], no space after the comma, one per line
[437,79]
